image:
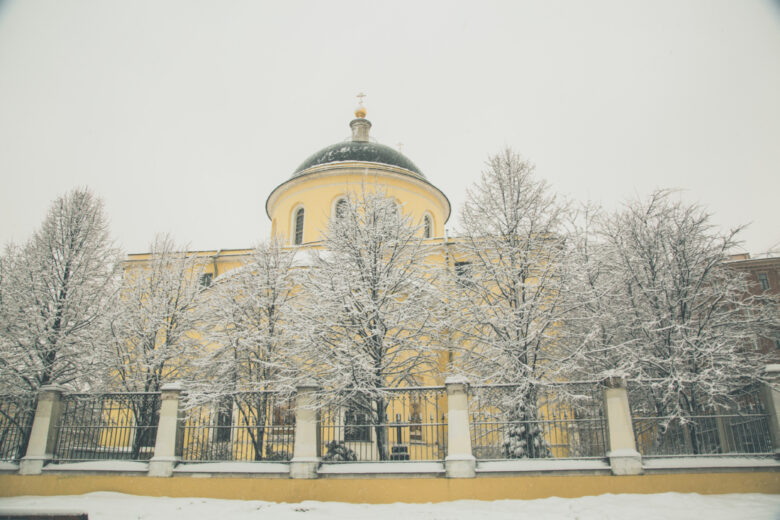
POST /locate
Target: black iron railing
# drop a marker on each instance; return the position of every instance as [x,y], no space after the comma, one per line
[389,425]
[16,417]
[742,428]
[243,426]
[107,426]
[532,422]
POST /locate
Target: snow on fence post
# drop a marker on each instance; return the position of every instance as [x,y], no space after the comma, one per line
[624,459]
[166,447]
[43,433]
[771,397]
[305,459]
[460,462]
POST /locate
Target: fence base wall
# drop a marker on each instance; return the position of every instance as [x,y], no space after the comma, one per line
[32,465]
[384,490]
[460,467]
[305,468]
[627,462]
[162,466]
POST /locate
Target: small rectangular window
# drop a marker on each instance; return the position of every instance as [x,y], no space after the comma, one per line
[763,280]
[224,419]
[463,272]
[298,239]
[206,279]
[356,427]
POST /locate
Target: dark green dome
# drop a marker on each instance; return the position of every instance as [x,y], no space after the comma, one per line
[363,151]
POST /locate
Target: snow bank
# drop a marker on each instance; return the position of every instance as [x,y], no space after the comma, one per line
[233,467]
[540,465]
[708,462]
[382,467]
[669,506]
[100,465]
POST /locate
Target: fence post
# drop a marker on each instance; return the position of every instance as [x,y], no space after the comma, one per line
[771,397]
[460,462]
[166,452]
[305,459]
[43,434]
[624,459]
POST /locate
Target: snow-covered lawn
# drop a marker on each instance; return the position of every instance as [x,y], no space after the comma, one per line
[663,506]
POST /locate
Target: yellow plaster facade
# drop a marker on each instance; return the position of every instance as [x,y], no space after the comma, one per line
[388,490]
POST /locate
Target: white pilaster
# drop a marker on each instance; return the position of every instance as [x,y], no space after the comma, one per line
[43,434]
[305,459]
[771,397]
[624,458]
[166,455]
[460,462]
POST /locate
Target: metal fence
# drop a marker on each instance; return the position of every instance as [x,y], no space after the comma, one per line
[522,422]
[737,430]
[244,426]
[393,424]
[107,426]
[16,417]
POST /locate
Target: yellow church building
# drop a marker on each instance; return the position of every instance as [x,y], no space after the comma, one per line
[300,207]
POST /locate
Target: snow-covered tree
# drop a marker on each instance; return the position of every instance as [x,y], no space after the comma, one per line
[154,330]
[509,270]
[591,333]
[250,341]
[680,321]
[53,297]
[367,313]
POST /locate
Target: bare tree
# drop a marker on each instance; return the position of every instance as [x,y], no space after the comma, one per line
[53,296]
[367,314]
[251,342]
[155,327]
[682,323]
[509,272]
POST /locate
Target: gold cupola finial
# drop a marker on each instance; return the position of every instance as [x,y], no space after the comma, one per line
[360,111]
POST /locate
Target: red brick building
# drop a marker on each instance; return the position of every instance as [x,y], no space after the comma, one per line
[764,277]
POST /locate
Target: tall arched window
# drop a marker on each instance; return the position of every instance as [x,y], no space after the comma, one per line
[340,210]
[298,236]
[427,227]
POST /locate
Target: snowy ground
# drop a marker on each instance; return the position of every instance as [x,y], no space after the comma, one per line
[605,507]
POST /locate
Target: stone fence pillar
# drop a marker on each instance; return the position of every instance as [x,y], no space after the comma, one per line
[305,459]
[166,447]
[43,434]
[624,459]
[460,462]
[770,395]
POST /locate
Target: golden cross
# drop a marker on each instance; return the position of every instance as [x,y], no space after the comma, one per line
[360,97]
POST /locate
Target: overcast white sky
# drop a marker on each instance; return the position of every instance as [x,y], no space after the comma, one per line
[184,115]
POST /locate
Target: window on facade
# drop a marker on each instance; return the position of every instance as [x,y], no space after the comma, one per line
[298,239]
[463,272]
[224,419]
[148,433]
[427,227]
[763,279]
[284,417]
[341,208]
[415,421]
[356,427]
[206,279]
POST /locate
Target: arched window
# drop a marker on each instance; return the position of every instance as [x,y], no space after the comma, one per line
[427,227]
[298,236]
[340,210]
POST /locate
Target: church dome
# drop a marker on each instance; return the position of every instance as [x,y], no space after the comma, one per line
[360,151]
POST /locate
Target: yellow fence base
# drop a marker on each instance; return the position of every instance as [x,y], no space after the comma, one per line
[382,490]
